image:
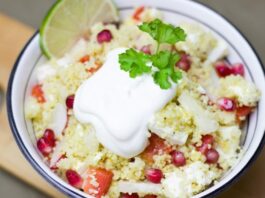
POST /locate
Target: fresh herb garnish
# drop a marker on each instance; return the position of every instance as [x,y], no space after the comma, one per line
[134,62]
[162,63]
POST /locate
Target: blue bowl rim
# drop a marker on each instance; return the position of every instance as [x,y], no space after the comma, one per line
[71,193]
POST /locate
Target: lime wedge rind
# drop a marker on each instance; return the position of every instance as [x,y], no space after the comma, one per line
[68,20]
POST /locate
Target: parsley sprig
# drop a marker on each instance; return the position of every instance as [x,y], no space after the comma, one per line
[161,64]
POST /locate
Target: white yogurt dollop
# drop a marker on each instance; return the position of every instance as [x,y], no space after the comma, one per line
[120,107]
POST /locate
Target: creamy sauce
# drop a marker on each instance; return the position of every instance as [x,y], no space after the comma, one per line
[120,107]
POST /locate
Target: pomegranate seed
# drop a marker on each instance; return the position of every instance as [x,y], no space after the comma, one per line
[146,49]
[226,104]
[104,36]
[212,156]
[73,178]
[49,137]
[154,175]
[150,196]
[178,158]
[238,69]
[223,69]
[70,101]
[203,148]
[184,62]
[44,147]
[208,139]
[126,195]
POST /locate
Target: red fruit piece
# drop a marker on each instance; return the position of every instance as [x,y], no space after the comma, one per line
[104,36]
[44,147]
[49,137]
[226,104]
[243,111]
[207,142]
[150,196]
[137,13]
[84,59]
[238,69]
[74,179]
[156,146]
[208,139]
[202,149]
[212,156]
[102,177]
[184,62]
[38,93]
[178,158]
[70,101]
[146,49]
[223,69]
[126,195]
[154,175]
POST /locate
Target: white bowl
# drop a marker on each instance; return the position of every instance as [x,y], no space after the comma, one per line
[175,11]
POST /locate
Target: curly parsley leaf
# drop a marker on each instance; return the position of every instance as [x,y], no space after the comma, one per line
[163,33]
[161,78]
[165,61]
[134,62]
[161,59]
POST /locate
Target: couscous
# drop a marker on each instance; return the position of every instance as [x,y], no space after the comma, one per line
[191,141]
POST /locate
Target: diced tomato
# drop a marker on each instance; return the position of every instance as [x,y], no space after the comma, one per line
[94,69]
[156,146]
[84,59]
[101,177]
[243,111]
[38,93]
[137,13]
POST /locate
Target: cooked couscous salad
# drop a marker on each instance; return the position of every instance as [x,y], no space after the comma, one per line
[189,130]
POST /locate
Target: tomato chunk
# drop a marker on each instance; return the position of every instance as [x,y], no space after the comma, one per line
[243,111]
[98,182]
[84,59]
[38,93]
[156,146]
[137,13]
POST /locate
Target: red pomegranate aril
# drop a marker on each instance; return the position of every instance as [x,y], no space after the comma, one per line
[74,179]
[126,195]
[208,139]
[184,62]
[226,104]
[238,69]
[49,137]
[222,69]
[212,156]
[44,147]
[203,148]
[146,49]
[150,196]
[154,175]
[104,36]
[70,101]
[178,158]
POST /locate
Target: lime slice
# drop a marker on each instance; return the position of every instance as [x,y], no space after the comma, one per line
[69,20]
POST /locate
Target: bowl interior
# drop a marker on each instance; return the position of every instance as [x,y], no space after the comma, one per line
[175,11]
